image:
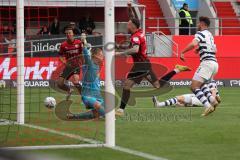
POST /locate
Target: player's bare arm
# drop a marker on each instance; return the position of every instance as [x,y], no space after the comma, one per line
[131,51]
[189,47]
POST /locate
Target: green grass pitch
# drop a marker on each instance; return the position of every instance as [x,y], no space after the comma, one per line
[171,133]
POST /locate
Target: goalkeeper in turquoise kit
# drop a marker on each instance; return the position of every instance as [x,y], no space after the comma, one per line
[91,90]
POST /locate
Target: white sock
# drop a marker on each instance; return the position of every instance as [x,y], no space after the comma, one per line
[169,102]
[160,104]
[176,70]
[120,110]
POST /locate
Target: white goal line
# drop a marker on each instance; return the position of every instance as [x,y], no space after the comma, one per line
[93,143]
[70,146]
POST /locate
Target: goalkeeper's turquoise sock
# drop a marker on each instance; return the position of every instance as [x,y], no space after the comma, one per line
[89,115]
[84,116]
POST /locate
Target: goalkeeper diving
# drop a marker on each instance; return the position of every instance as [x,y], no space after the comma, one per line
[91,95]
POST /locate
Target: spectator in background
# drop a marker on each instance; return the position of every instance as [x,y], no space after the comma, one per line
[185,20]
[13,28]
[11,44]
[6,29]
[75,29]
[44,31]
[86,25]
[55,27]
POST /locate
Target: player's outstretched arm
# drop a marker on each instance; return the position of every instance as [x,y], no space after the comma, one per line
[131,13]
[189,47]
[86,55]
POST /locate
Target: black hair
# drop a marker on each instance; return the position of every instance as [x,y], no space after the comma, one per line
[205,20]
[68,27]
[136,22]
[185,4]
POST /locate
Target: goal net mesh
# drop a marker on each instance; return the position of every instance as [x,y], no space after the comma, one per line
[42,126]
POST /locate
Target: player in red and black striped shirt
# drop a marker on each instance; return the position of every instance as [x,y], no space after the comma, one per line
[70,55]
[142,68]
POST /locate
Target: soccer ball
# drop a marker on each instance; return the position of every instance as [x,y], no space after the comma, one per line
[50,102]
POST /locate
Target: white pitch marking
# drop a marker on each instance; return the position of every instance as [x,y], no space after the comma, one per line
[73,136]
[137,153]
[72,146]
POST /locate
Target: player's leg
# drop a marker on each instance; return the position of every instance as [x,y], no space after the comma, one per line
[151,77]
[182,100]
[88,115]
[169,102]
[65,75]
[169,75]
[61,84]
[128,84]
[189,100]
[207,92]
[61,81]
[197,83]
[135,76]
[207,71]
[95,106]
[196,89]
[76,83]
[98,109]
[214,89]
[195,101]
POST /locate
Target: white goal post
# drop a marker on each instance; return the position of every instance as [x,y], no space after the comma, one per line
[109,74]
[109,68]
[20,61]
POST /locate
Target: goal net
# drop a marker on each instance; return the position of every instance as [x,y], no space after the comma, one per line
[24,118]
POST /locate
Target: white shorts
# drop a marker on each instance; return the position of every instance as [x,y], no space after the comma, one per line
[188,98]
[206,71]
[196,102]
[191,100]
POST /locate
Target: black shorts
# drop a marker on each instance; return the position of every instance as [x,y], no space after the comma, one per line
[68,71]
[140,71]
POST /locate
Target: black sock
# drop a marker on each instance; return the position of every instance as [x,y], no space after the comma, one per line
[64,87]
[125,98]
[167,77]
[79,87]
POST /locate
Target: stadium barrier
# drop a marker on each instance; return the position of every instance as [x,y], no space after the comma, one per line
[192,29]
